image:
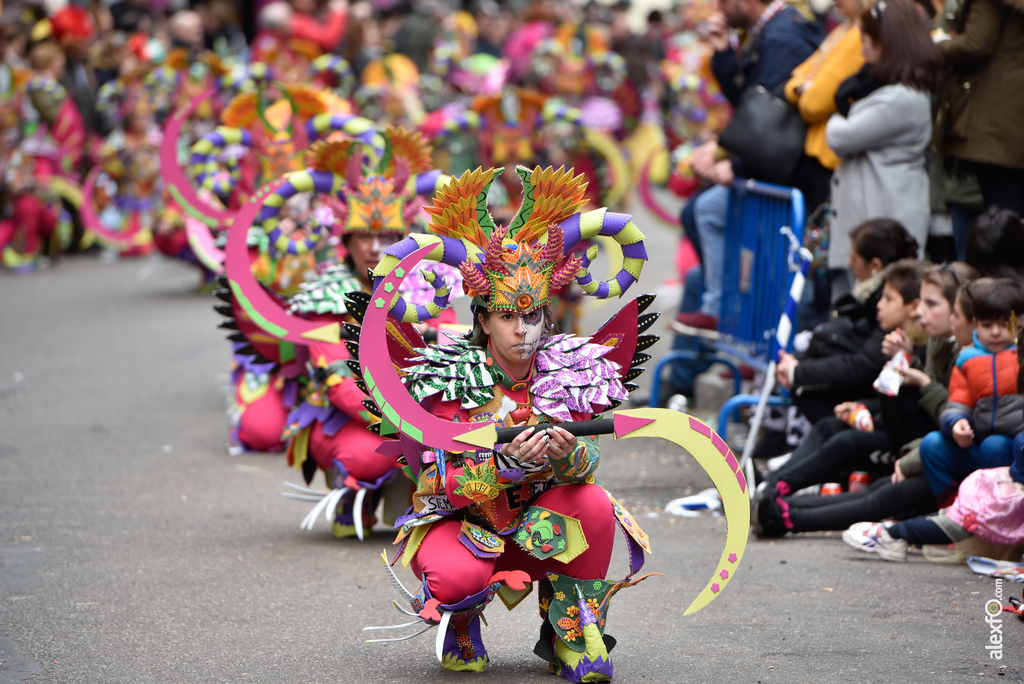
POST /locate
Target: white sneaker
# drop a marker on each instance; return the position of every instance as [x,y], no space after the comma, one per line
[874,538]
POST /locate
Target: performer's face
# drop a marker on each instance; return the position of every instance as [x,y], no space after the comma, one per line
[514,337]
[366,249]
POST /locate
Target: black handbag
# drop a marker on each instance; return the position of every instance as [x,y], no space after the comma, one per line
[767,134]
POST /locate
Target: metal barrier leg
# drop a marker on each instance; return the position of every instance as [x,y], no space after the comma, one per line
[682,355]
[734,404]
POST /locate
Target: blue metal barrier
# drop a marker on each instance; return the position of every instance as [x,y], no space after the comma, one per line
[755,280]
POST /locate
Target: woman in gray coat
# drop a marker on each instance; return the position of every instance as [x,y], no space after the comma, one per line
[880,132]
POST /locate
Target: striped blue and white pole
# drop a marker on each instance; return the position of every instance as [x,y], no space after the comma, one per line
[799,260]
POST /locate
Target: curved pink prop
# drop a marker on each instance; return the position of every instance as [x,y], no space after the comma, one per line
[648,197]
[175,178]
[265,312]
[382,379]
[91,221]
[200,239]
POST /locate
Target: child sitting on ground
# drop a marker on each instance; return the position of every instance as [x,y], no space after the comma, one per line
[984,410]
[830,447]
[940,314]
[990,500]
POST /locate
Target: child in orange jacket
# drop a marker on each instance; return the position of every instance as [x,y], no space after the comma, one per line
[984,412]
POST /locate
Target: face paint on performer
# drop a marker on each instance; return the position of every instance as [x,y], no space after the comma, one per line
[513,336]
[533,325]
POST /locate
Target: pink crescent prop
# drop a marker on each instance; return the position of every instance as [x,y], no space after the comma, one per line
[381,377]
[200,239]
[415,422]
[182,190]
[250,295]
[647,197]
[91,221]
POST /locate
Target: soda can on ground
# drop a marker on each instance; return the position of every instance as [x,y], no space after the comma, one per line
[831,489]
[858,480]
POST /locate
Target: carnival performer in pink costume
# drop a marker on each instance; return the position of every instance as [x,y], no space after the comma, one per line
[369,209]
[491,522]
[43,162]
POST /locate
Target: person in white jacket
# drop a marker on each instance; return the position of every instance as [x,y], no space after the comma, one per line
[880,131]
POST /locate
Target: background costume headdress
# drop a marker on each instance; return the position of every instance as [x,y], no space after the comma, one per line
[362,198]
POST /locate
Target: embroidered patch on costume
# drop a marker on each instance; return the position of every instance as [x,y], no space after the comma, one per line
[580,463]
[513,597]
[253,386]
[426,498]
[546,534]
[480,542]
[478,483]
[629,525]
[564,611]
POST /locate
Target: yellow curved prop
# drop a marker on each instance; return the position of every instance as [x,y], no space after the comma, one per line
[717,460]
[66,190]
[605,145]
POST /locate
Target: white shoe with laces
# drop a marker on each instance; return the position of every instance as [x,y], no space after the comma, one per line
[874,538]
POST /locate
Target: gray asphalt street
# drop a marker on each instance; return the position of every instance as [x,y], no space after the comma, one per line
[134,549]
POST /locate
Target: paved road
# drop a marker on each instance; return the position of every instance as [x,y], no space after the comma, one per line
[134,549]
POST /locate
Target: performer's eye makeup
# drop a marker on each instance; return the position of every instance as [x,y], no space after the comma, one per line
[533,317]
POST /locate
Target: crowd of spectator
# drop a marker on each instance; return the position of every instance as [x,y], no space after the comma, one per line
[913,157]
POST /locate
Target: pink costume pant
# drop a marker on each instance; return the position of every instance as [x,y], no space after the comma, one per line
[453,573]
[263,421]
[30,225]
[355,447]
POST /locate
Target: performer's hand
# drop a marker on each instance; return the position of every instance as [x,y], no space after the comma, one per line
[561,443]
[528,446]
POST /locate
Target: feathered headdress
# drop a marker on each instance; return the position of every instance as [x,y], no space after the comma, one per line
[375,201]
[519,269]
[516,267]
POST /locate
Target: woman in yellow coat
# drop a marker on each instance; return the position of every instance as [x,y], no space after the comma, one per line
[812,90]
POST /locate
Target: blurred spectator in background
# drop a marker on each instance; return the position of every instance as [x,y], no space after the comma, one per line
[362,42]
[74,31]
[844,354]
[656,35]
[982,98]
[778,39]
[222,29]
[419,29]
[812,90]
[880,132]
[494,25]
[538,23]
[281,22]
[132,15]
[995,245]
[186,31]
